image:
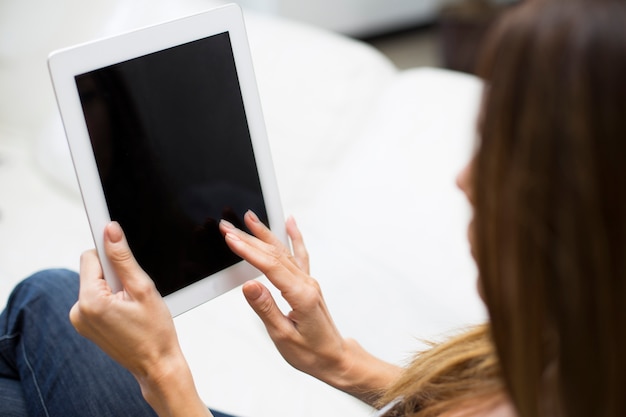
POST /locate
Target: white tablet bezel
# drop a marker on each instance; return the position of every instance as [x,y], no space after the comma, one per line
[65,64]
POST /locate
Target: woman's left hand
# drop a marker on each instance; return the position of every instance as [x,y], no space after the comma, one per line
[134,327]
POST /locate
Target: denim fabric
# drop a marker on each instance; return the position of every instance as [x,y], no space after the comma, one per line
[47,369]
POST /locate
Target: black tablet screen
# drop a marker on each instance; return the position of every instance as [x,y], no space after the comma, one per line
[174,155]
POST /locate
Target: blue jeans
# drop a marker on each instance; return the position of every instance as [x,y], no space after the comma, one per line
[47,369]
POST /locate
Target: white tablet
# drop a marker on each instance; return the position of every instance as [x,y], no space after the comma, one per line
[167,137]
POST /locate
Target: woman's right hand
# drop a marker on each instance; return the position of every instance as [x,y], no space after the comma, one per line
[306,336]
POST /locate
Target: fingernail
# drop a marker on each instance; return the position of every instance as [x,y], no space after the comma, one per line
[114,232]
[252,290]
[233,237]
[227,225]
[253,216]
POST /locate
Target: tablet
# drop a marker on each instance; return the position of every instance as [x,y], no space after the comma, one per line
[167,137]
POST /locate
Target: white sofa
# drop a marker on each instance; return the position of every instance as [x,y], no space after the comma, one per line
[350,17]
[366,157]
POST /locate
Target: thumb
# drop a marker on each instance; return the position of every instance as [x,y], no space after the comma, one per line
[264,305]
[121,258]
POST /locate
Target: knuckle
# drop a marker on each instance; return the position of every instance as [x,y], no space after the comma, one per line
[275,252]
[274,258]
[305,256]
[273,265]
[144,289]
[120,256]
[309,293]
[314,285]
[87,256]
[282,335]
[75,317]
[265,306]
[83,313]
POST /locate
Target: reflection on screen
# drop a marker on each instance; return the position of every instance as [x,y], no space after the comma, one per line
[174,154]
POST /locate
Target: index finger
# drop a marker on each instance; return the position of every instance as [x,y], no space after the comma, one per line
[300,255]
[92,281]
[273,261]
[92,288]
[262,232]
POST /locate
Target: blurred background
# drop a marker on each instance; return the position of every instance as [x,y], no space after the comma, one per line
[410,32]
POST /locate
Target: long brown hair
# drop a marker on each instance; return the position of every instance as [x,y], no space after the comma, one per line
[550,205]
[460,376]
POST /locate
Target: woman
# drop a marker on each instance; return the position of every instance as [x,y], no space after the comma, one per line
[548,187]
[550,206]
